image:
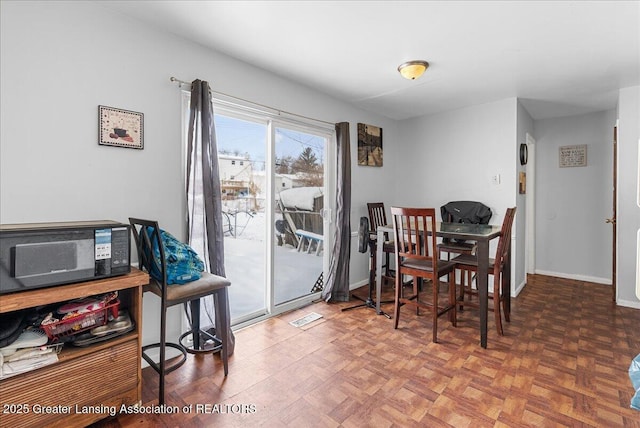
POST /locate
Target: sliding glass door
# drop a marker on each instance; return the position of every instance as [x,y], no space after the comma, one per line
[275,210]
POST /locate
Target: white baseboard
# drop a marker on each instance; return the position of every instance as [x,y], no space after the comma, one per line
[628,304]
[358,284]
[605,281]
[518,289]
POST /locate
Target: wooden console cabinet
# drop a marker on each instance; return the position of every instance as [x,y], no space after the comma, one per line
[85,383]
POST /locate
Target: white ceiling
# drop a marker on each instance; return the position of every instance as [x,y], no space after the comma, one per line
[559,58]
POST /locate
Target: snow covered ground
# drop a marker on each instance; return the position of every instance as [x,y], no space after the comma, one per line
[245,265]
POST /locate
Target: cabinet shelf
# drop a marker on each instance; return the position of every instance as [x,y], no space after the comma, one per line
[71,352]
[44,296]
[102,375]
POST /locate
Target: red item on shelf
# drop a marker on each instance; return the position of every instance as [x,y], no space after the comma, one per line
[81,322]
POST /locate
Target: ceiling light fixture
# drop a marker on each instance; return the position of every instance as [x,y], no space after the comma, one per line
[413,69]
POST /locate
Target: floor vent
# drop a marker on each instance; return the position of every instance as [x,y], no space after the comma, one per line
[309,318]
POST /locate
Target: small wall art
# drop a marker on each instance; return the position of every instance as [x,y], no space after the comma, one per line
[571,156]
[121,128]
[369,145]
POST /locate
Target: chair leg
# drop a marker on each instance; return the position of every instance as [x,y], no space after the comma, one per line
[162,361]
[418,284]
[507,314]
[194,306]
[496,305]
[396,309]
[463,284]
[435,287]
[452,298]
[387,269]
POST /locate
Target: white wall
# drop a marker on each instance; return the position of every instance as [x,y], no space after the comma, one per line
[628,289]
[60,60]
[572,238]
[453,155]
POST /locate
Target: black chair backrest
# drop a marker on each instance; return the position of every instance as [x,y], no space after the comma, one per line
[465,212]
[146,234]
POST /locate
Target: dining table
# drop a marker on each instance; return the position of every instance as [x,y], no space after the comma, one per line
[482,234]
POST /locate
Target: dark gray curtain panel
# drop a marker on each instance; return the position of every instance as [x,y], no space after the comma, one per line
[336,287]
[204,216]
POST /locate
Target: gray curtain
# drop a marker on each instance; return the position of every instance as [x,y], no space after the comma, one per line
[204,216]
[336,288]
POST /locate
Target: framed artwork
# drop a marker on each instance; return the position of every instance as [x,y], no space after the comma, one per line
[121,128]
[571,156]
[369,145]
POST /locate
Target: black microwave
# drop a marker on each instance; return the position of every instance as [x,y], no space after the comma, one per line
[37,255]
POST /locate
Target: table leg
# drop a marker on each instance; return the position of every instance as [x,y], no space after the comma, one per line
[379,254]
[483,287]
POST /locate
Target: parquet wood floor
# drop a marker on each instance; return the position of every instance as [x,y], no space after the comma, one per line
[563,362]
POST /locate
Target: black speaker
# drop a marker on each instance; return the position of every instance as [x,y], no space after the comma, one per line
[363,235]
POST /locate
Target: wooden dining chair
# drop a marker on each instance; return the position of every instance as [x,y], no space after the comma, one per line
[378,217]
[416,255]
[469,263]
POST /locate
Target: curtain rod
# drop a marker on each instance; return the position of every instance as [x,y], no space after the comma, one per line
[183,82]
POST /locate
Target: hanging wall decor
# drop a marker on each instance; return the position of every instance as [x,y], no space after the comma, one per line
[369,145]
[571,156]
[524,154]
[121,128]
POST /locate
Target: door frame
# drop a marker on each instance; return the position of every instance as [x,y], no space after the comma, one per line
[530,201]
[613,219]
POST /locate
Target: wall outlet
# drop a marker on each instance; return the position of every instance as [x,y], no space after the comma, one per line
[495,179]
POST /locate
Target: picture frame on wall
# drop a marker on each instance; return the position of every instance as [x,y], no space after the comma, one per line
[120,128]
[369,145]
[573,156]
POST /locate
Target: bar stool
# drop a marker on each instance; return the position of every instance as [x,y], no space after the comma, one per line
[147,236]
